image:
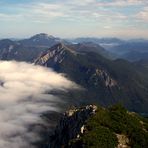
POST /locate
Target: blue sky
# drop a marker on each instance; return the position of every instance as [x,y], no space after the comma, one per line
[74,18]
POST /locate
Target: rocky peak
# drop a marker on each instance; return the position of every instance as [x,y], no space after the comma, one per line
[42,39]
[123,141]
[96,126]
[56,53]
[71,125]
[42,36]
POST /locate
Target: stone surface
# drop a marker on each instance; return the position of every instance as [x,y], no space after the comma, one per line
[71,126]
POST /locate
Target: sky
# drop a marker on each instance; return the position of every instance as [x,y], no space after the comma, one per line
[74,18]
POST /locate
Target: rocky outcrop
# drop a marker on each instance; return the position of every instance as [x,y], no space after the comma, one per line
[55,54]
[71,126]
[104,76]
[123,141]
[99,127]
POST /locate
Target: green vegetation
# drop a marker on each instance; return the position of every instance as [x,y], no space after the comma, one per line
[101,129]
[99,137]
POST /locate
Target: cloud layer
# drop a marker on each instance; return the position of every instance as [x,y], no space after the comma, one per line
[23,98]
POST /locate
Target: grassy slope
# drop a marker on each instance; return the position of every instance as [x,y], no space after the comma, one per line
[101,129]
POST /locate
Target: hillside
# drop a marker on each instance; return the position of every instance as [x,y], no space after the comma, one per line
[105,81]
[97,127]
[135,56]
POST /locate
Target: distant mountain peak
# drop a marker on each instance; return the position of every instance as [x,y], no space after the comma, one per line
[42,36]
[41,39]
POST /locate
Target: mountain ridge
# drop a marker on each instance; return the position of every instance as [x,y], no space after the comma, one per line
[114,81]
[95,126]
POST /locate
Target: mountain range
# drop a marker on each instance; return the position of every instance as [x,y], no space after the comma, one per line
[105,79]
[132,50]
[26,49]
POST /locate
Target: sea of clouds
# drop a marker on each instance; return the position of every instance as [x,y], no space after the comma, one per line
[23,98]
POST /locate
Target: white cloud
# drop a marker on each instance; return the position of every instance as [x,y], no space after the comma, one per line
[23,98]
[109,15]
[122,3]
[143,15]
[50,10]
[33,12]
[44,12]
[10,17]
[41,12]
[80,3]
[107,27]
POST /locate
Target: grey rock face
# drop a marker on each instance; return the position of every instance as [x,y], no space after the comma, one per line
[71,125]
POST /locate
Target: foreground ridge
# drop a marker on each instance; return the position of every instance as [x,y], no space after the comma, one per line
[97,127]
[71,125]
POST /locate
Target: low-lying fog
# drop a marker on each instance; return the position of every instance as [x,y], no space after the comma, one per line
[23,99]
